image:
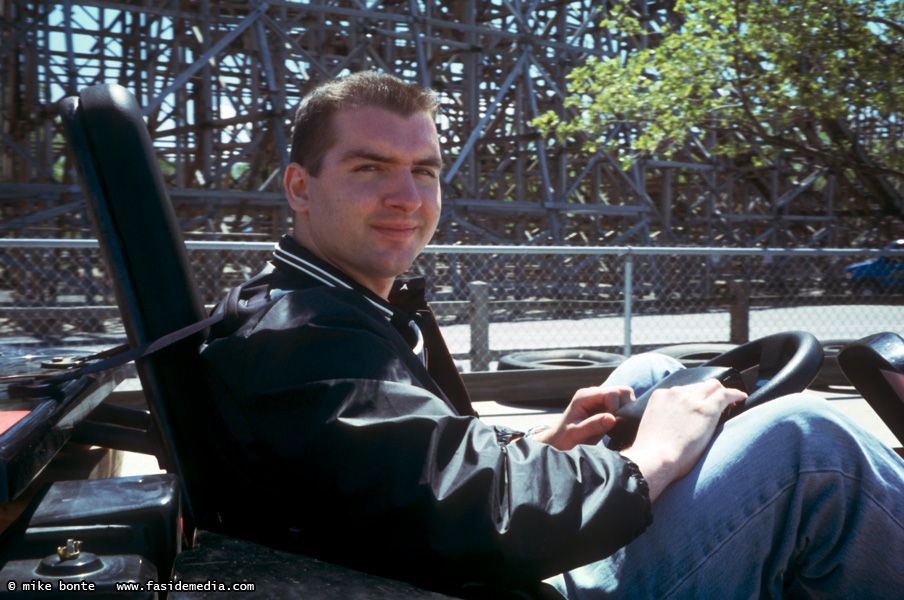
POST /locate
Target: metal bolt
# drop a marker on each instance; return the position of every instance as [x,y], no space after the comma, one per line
[71,550]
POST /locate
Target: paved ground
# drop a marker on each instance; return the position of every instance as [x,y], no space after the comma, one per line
[825,322]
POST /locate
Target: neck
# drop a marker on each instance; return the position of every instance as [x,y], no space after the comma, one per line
[380,287]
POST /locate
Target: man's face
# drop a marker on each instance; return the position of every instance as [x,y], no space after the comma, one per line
[375,203]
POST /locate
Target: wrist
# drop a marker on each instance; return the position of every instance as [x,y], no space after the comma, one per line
[656,472]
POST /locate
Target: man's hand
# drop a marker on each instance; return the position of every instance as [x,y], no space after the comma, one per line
[588,417]
[676,428]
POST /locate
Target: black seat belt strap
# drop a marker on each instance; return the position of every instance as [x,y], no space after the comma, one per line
[124,354]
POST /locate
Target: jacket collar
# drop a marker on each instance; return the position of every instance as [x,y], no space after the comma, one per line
[292,256]
[406,295]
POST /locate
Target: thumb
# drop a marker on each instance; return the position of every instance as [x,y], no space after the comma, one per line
[592,429]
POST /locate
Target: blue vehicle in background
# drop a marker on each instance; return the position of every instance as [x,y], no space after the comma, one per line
[882,275]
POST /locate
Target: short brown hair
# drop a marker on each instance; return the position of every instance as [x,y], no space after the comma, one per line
[313,134]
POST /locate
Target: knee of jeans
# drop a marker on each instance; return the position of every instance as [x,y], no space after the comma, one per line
[656,365]
[804,411]
[643,371]
[808,422]
[659,363]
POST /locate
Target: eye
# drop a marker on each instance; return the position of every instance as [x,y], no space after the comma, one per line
[425,171]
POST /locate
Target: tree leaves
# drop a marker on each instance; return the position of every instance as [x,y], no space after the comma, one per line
[759,77]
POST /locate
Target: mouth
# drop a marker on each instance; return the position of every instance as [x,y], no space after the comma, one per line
[399,231]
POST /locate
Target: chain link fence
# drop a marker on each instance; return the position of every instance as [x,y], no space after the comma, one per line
[494,301]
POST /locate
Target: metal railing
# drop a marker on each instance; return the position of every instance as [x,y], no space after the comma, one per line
[491,301]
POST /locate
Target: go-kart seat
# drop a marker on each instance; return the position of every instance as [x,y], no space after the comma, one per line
[149,269]
[148,264]
[875,366]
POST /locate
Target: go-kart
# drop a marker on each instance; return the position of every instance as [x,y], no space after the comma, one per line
[164,527]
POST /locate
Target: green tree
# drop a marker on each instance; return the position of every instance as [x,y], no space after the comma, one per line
[819,80]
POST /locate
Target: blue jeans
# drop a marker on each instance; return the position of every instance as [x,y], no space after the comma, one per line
[790,499]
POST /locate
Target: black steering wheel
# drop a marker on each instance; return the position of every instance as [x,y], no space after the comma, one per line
[767,368]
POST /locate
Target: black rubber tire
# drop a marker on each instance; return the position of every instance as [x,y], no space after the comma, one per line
[831,375]
[694,355]
[556,359]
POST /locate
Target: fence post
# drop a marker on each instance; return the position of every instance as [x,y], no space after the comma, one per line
[479,298]
[739,310]
[629,264]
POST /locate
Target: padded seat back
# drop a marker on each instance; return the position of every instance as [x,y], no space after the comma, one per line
[149,267]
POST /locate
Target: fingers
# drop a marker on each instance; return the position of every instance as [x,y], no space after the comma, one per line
[603,399]
[724,397]
[706,396]
[592,429]
[588,417]
[572,433]
[625,395]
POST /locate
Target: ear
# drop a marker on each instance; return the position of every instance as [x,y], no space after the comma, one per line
[296,184]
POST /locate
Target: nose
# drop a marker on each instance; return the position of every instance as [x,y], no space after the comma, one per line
[403,193]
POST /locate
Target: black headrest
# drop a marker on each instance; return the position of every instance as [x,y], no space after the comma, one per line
[135,219]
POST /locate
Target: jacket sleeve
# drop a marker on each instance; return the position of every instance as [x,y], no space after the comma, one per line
[393,480]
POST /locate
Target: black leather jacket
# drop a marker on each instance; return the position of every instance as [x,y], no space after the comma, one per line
[337,437]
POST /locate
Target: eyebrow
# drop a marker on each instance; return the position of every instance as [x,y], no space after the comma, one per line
[429,161]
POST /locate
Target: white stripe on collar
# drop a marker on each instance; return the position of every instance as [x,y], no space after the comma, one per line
[321,275]
[311,270]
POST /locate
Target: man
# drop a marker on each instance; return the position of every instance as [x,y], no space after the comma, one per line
[332,376]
